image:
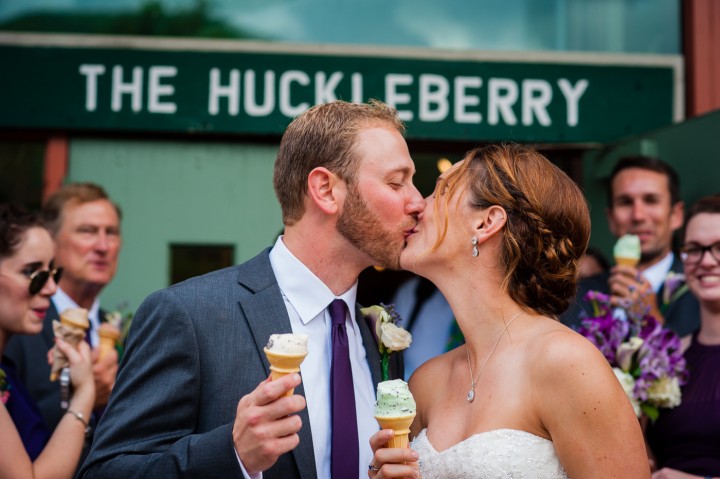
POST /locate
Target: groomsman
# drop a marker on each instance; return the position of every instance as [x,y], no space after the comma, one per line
[644,200]
[85,225]
[192,397]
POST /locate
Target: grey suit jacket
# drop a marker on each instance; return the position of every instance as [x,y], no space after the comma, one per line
[681,316]
[29,355]
[193,351]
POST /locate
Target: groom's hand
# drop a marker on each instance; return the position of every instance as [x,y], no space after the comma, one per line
[266,424]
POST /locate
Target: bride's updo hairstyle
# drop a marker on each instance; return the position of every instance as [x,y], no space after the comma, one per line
[548,224]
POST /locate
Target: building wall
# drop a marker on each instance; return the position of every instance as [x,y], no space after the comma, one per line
[179,192]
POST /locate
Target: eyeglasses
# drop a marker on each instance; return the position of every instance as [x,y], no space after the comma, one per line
[693,253]
[40,277]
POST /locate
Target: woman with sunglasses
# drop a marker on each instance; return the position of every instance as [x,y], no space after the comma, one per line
[685,440]
[27,281]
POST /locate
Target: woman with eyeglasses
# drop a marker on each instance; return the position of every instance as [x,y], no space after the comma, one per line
[685,441]
[28,279]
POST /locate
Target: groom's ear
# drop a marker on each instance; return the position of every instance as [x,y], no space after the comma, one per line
[490,221]
[325,190]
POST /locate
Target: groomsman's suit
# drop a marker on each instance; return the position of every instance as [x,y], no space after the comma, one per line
[682,315]
[200,343]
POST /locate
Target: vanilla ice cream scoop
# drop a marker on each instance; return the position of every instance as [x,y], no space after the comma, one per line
[285,353]
[627,250]
[290,344]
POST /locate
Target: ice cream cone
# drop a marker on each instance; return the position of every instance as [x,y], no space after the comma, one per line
[632,262]
[71,328]
[283,364]
[401,429]
[109,336]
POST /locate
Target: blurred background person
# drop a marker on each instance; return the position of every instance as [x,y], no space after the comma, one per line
[592,263]
[685,440]
[425,312]
[644,200]
[27,281]
[85,226]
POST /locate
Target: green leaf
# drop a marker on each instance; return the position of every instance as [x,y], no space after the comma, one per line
[650,411]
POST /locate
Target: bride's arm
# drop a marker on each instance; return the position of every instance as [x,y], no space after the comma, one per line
[586,412]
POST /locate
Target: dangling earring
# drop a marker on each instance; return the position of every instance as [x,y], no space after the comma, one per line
[475,251]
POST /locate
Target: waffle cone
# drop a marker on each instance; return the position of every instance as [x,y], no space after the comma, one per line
[109,336]
[283,364]
[401,429]
[632,262]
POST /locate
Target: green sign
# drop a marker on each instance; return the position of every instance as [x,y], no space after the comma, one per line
[258,92]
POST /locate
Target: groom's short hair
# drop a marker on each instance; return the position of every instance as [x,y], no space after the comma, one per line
[324,136]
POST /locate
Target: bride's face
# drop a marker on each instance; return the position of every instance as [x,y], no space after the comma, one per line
[423,252]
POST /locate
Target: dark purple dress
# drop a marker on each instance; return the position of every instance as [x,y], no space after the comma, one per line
[687,438]
[25,414]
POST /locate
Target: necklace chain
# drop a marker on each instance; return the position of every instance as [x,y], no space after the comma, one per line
[473,382]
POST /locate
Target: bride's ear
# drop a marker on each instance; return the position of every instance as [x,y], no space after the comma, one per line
[490,221]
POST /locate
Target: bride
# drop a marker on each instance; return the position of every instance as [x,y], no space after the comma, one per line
[525,396]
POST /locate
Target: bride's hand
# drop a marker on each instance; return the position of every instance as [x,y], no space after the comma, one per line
[391,462]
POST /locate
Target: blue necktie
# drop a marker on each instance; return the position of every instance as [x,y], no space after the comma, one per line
[344,456]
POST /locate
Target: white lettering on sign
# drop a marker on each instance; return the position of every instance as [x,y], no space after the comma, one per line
[286,79]
[572,97]
[434,103]
[395,98]
[427,97]
[132,88]
[502,95]
[463,100]
[91,72]
[536,96]
[156,89]
[268,105]
[230,91]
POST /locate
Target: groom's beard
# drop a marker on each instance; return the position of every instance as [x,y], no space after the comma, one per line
[367,233]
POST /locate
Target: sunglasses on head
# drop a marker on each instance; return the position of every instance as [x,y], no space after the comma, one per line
[40,277]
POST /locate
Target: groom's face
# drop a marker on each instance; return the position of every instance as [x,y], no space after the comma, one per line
[382,205]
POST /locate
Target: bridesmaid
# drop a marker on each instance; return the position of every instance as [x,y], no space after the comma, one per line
[685,440]
[28,279]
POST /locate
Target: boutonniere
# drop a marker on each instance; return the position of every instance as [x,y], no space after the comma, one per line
[115,326]
[391,337]
[4,388]
[673,288]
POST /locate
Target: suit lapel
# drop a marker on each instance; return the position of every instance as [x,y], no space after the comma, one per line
[372,353]
[47,332]
[266,314]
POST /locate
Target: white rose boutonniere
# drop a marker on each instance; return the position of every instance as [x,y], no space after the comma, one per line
[391,337]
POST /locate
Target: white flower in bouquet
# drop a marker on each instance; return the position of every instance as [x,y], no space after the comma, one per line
[665,392]
[628,384]
[626,351]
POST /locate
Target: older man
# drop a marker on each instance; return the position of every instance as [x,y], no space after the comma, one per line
[85,225]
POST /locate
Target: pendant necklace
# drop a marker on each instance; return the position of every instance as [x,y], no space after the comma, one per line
[473,382]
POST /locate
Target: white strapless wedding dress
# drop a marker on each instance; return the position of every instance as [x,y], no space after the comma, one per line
[502,453]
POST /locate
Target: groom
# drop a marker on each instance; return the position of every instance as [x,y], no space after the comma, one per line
[192,399]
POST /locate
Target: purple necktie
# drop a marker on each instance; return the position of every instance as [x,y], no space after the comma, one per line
[344,456]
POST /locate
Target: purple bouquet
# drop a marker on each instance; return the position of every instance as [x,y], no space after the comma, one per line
[645,357]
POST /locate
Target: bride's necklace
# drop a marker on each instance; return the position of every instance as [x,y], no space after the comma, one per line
[473,382]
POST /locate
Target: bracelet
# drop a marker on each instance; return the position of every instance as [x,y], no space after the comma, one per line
[80,417]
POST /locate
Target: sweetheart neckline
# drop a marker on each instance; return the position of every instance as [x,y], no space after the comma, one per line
[520,431]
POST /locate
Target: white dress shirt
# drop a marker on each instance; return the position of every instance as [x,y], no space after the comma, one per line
[657,273]
[62,302]
[307,299]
